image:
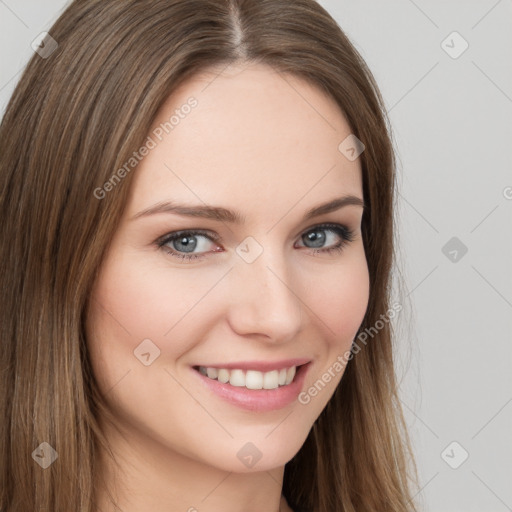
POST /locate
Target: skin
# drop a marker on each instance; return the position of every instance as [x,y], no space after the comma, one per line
[267,146]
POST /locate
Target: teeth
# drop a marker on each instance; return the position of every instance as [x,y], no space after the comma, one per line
[270,380]
[212,373]
[223,375]
[251,379]
[237,378]
[290,373]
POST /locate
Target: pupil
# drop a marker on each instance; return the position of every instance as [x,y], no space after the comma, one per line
[188,243]
[316,239]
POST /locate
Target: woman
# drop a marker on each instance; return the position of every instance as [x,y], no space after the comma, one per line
[197,237]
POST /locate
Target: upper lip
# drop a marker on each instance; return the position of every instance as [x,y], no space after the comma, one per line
[262,366]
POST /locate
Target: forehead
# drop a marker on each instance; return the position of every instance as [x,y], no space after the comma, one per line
[252,137]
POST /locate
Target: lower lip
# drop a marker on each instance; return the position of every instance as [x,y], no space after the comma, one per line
[258,400]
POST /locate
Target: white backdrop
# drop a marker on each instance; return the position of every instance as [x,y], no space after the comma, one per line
[445,71]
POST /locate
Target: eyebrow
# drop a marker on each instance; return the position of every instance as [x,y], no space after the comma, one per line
[219,213]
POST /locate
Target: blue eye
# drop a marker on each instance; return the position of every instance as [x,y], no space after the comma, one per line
[186,241]
[182,244]
[311,236]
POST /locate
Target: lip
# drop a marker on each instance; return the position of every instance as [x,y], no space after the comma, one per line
[260,366]
[258,400]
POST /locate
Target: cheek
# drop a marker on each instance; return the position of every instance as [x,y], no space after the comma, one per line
[146,302]
[131,304]
[339,298]
[133,301]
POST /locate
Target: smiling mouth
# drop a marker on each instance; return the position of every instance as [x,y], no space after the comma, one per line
[250,379]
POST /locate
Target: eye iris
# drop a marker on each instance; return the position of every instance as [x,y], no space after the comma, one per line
[188,242]
[317,237]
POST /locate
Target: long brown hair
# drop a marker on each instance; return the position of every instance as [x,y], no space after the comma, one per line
[77,116]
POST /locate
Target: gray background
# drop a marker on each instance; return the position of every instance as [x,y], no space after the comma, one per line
[452,132]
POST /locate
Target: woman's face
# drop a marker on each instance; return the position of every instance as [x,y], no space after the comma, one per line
[261,298]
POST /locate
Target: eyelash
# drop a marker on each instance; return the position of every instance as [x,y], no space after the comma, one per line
[345,234]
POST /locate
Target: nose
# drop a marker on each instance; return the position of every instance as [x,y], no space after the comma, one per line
[264,301]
